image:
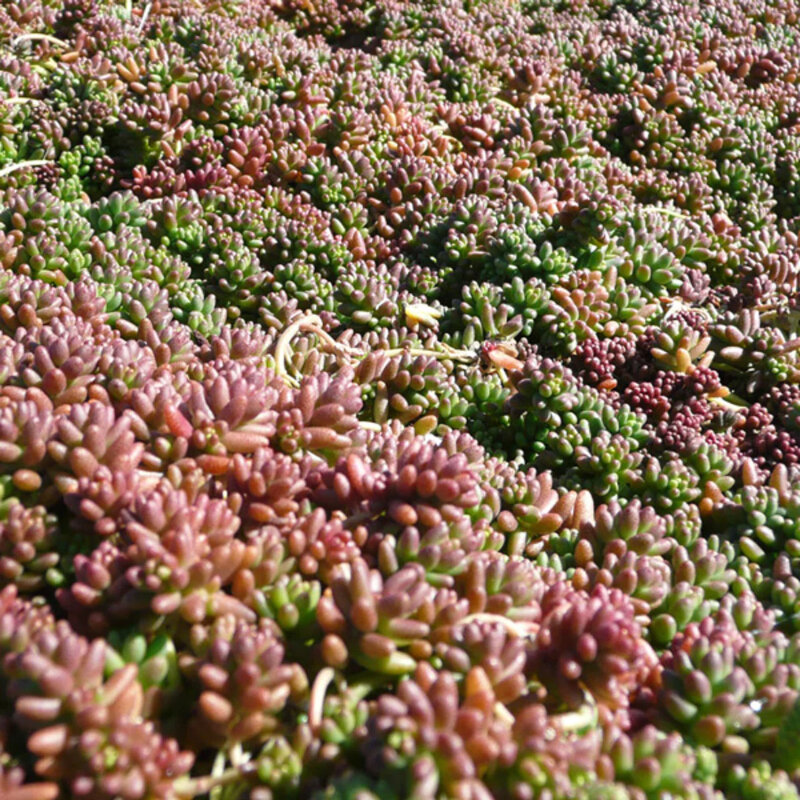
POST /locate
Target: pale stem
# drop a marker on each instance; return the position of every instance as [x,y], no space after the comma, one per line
[316,700]
[146,14]
[514,628]
[584,717]
[502,713]
[191,787]
[18,101]
[36,162]
[38,37]
[313,324]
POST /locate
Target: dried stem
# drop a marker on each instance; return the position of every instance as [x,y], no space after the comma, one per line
[316,700]
[35,162]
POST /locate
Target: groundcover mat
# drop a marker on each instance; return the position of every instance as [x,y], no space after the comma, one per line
[399,400]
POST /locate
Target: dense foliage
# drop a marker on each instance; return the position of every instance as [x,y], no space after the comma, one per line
[399,399]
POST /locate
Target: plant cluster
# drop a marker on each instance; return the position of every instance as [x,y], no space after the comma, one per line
[399,400]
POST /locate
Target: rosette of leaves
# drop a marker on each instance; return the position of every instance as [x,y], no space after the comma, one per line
[712,673]
[125,366]
[301,283]
[383,625]
[116,212]
[591,641]
[669,485]
[238,408]
[198,310]
[405,386]
[28,303]
[89,436]
[713,466]
[603,465]
[320,416]
[614,72]
[238,341]
[490,645]
[747,198]
[557,754]
[480,316]
[128,301]
[681,348]
[758,780]
[638,526]
[416,503]
[27,426]
[176,557]
[62,361]
[271,487]
[602,444]
[136,258]
[463,238]
[366,296]
[520,251]
[236,271]
[547,396]
[646,579]
[31,211]
[574,313]
[528,300]
[177,223]
[756,354]
[501,587]
[430,737]
[244,683]
[707,564]
[83,730]
[483,394]
[530,506]
[557,414]
[761,522]
[651,762]
[29,558]
[646,262]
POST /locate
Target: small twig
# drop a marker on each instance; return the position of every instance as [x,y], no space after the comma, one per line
[729,403]
[36,162]
[358,689]
[38,37]
[18,101]
[238,757]
[447,353]
[217,769]
[145,15]
[282,347]
[191,787]
[501,712]
[584,717]
[370,426]
[668,212]
[316,700]
[514,628]
[311,323]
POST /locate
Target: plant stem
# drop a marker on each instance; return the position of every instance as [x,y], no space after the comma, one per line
[316,699]
[36,162]
[38,37]
[191,787]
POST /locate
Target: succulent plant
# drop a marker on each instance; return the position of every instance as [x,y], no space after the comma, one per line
[399,400]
